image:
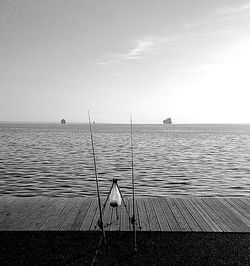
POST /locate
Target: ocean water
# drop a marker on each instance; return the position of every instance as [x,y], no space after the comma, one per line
[169,160]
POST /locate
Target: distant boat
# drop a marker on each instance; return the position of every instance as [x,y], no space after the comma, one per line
[63,121]
[167,121]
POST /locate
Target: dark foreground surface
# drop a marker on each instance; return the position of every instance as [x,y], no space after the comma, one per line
[156,248]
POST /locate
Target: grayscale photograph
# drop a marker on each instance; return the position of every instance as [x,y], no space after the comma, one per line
[124,132]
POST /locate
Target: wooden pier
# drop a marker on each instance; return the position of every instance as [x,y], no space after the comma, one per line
[204,214]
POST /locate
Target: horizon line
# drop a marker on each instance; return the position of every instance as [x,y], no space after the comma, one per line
[124,123]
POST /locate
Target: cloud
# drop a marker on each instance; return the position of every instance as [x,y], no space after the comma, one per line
[142,48]
[232,10]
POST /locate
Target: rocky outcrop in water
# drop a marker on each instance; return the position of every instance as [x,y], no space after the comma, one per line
[167,121]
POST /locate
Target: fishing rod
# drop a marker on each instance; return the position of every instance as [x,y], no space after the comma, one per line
[97,184]
[133,220]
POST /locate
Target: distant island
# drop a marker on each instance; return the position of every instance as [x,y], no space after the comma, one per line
[63,121]
[167,121]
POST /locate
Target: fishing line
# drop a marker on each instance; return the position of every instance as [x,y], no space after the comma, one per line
[97,184]
[133,220]
[97,252]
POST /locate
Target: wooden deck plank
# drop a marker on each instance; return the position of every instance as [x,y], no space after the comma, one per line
[54,210]
[9,209]
[116,219]
[35,214]
[92,222]
[140,215]
[198,218]
[5,201]
[243,203]
[41,214]
[17,209]
[163,223]
[137,217]
[138,222]
[116,226]
[94,215]
[143,216]
[6,211]
[111,218]
[152,214]
[122,214]
[89,216]
[24,216]
[71,215]
[209,223]
[214,216]
[192,218]
[173,224]
[58,222]
[235,216]
[77,223]
[94,226]
[246,201]
[107,217]
[147,211]
[154,223]
[226,219]
[232,217]
[239,211]
[155,214]
[5,204]
[124,224]
[178,215]
[239,207]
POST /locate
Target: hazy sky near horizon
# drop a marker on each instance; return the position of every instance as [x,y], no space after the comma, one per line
[188,60]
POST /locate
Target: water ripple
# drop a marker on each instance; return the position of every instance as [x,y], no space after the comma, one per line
[55,160]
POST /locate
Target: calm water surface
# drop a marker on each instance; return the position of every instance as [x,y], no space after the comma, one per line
[56,160]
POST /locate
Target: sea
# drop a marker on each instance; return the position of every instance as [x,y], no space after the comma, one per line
[55,160]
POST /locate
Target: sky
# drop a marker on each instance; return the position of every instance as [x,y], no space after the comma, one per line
[188,60]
